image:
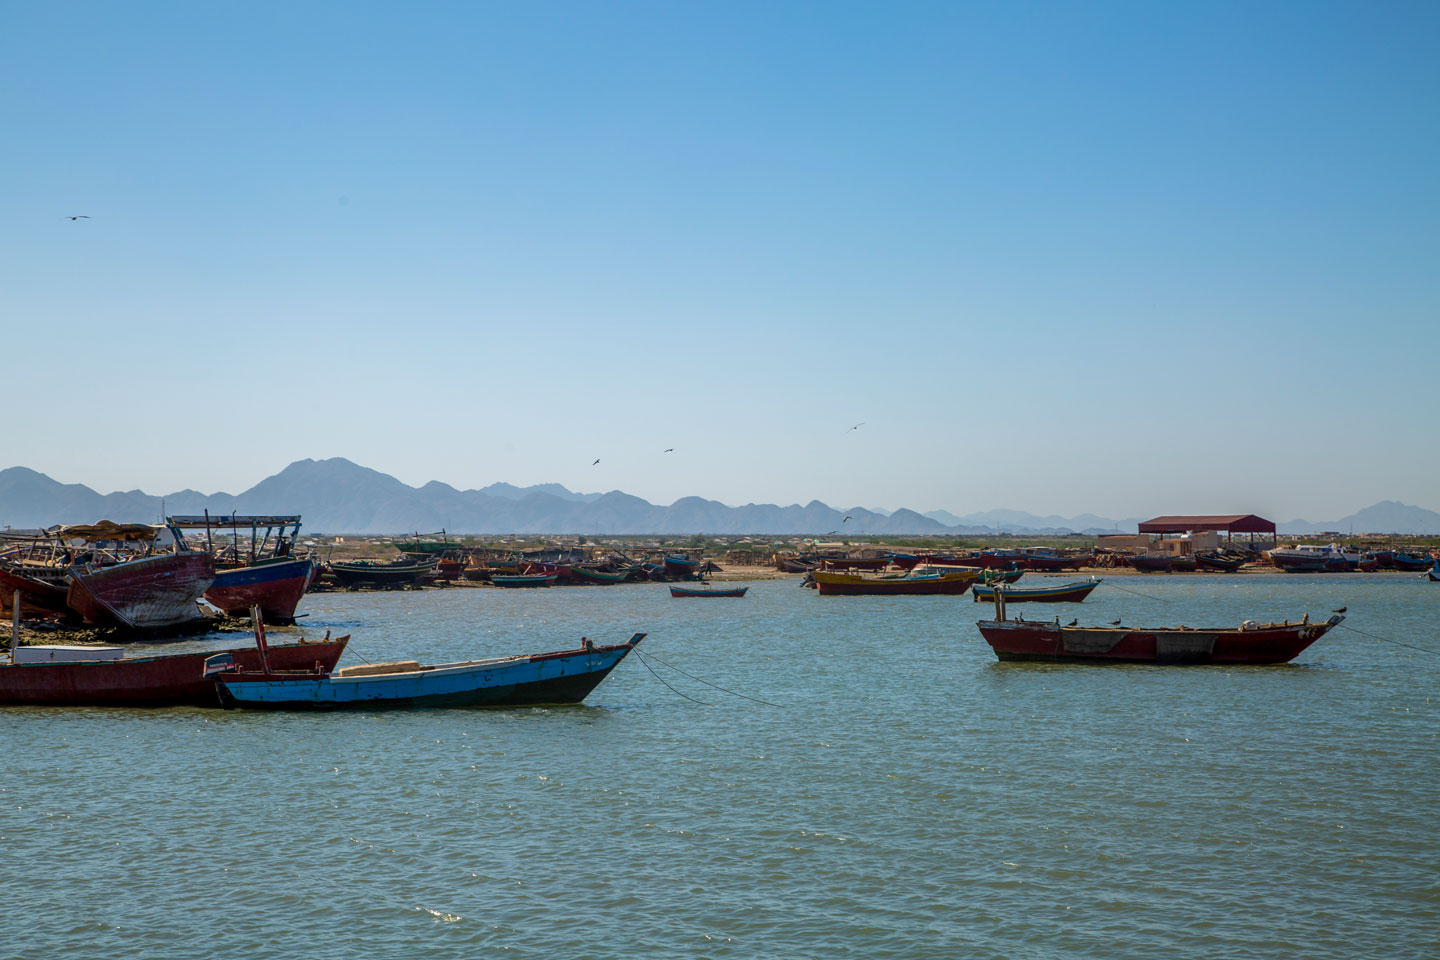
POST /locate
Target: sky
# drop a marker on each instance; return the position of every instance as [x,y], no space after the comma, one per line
[1124,258]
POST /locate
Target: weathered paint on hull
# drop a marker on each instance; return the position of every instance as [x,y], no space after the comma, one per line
[559,678]
[35,594]
[1065,594]
[146,594]
[1017,640]
[854,585]
[276,588]
[163,681]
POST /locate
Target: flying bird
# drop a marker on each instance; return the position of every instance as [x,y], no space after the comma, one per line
[669,450]
[1116,623]
[597,460]
[856,427]
[846,520]
[80,217]
[1341,610]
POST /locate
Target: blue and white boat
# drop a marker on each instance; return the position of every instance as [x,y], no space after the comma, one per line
[1074,591]
[565,676]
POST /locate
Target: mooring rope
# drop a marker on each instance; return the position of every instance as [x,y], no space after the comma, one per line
[1398,643]
[662,680]
[715,685]
[1136,592]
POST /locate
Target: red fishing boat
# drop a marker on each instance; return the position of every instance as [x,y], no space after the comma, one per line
[1250,643]
[38,594]
[147,593]
[854,563]
[1052,563]
[111,679]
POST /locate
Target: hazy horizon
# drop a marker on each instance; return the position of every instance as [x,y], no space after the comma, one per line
[1121,259]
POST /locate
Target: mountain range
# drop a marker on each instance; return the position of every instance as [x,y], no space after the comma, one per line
[338,496]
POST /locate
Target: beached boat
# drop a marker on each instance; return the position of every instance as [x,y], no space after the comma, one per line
[1250,643]
[854,563]
[379,573]
[1219,562]
[1073,592]
[1434,572]
[39,593]
[1311,558]
[275,586]
[707,591]
[101,676]
[604,577]
[524,579]
[681,566]
[1052,563]
[563,677]
[796,564]
[146,593]
[831,584]
[1411,563]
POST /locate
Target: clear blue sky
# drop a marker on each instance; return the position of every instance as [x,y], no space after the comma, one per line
[1127,258]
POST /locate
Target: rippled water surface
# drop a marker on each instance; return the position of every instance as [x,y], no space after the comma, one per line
[908,796]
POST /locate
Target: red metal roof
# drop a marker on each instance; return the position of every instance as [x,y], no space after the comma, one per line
[1239,523]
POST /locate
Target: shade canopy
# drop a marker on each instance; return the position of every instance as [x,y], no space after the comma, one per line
[1238,523]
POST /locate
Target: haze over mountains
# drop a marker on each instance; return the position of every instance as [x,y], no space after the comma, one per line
[338,496]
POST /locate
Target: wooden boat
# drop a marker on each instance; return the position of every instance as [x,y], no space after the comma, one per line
[681,566]
[795,565]
[147,593]
[585,574]
[37,594]
[1434,572]
[1310,558]
[379,573]
[1153,563]
[1250,643]
[830,584]
[1184,564]
[1055,564]
[1073,592]
[523,579]
[55,676]
[707,591]
[1220,562]
[1411,564]
[275,586]
[562,677]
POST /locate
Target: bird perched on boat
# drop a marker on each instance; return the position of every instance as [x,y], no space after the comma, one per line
[1341,610]
[1116,623]
[80,217]
[1073,622]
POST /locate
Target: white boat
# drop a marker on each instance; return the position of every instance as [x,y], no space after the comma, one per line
[1313,558]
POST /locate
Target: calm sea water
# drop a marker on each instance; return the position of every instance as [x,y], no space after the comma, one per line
[907,796]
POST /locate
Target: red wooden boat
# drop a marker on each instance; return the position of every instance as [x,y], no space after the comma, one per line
[37,595]
[1249,643]
[176,679]
[854,563]
[275,586]
[831,584]
[1054,564]
[149,593]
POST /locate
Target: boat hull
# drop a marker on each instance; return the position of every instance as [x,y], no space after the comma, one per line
[276,588]
[1050,643]
[854,585]
[36,595]
[1062,593]
[566,677]
[381,575]
[151,593]
[162,681]
[688,592]
[524,580]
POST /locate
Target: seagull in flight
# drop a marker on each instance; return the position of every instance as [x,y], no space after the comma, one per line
[846,520]
[597,460]
[856,427]
[669,450]
[80,217]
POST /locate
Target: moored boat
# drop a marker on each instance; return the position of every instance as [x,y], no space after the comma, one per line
[380,573]
[524,579]
[1250,643]
[562,677]
[676,591]
[1311,558]
[603,577]
[1073,592]
[146,593]
[56,676]
[831,584]
[1411,563]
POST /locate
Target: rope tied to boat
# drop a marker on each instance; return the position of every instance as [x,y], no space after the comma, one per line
[1398,643]
[715,685]
[657,676]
